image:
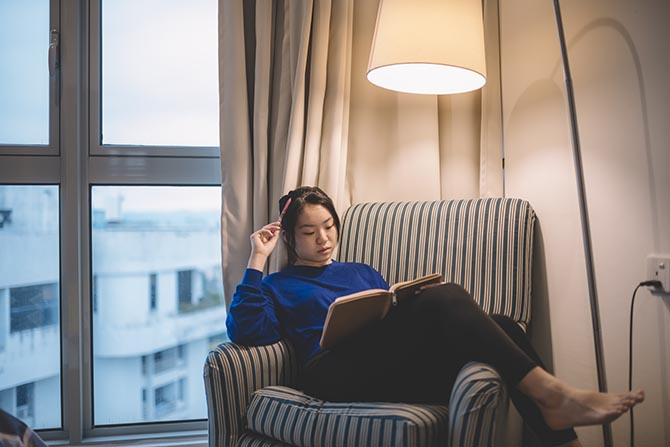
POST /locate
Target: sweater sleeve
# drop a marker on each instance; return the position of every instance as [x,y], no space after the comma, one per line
[251,318]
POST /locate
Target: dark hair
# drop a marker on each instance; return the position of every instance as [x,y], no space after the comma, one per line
[305,195]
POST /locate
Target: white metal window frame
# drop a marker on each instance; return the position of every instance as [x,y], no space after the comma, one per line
[55,84]
[76,161]
[95,110]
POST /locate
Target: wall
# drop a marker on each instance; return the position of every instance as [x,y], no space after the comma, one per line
[620,55]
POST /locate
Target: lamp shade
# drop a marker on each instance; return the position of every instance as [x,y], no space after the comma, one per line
[428,46]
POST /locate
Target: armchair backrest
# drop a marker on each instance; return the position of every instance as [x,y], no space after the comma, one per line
[485,245]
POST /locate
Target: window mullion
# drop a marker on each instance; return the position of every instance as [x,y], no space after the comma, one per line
[74,240]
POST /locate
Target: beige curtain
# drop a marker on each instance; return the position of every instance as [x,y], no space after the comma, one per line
[491,178]
[284,81]
[297,109]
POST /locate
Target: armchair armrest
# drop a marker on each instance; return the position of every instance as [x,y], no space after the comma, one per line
[477,407]
[232,373]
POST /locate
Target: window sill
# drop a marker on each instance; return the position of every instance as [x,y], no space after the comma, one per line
[178,439]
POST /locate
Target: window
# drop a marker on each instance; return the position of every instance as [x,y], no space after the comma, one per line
[25,402]
[169,359]
[152,105]
[168,398]
[153,291]
[145,404]
[185,289]
[140,230]
[158,76]
[101,225]
[164,361]
[33,307]
[94,293]
[26,84]
[29,304]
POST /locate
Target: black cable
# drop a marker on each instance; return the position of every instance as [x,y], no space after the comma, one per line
[630,352]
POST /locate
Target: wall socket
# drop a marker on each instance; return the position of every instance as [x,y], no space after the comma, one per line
[658,269]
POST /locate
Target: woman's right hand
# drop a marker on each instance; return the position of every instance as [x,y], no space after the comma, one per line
[263,242]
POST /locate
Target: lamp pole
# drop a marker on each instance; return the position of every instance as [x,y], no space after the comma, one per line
[584,217]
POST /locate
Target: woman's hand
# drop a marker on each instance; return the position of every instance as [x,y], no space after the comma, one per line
[263,242]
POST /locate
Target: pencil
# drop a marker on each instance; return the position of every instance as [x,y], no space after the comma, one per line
[283,211]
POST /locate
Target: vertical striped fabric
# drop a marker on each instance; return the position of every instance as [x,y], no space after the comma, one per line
[249,439]
[297,419]
[232,373]
[485,245]
[477,406]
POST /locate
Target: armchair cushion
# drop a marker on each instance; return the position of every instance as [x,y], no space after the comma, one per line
[295,418]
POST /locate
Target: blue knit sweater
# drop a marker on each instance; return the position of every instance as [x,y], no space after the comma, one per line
[293,303]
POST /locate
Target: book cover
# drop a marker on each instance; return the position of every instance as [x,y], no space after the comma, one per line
[350,313]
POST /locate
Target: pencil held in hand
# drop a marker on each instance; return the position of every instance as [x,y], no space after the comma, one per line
[283,211]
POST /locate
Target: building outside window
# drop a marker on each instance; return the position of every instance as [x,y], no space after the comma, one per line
[137,232]
[25,401]
[168,398]
[30,348]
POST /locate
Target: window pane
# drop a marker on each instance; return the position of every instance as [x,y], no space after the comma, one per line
[160,73]
[159,300]
[29,304]
[24,73]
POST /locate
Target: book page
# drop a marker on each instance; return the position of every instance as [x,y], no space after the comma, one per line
[406,289]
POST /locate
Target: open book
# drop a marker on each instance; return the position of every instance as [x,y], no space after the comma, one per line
[350,313]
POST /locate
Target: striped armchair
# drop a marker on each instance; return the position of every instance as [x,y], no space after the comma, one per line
[483,244]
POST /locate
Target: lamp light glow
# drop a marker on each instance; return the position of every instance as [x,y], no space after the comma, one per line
[428,46]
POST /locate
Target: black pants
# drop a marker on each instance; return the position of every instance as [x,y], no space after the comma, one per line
[416,352]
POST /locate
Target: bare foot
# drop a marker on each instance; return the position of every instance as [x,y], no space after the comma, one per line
[564,406]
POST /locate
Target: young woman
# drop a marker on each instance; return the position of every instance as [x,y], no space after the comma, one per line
[415,353]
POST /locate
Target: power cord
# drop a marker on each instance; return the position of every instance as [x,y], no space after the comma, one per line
[652,283]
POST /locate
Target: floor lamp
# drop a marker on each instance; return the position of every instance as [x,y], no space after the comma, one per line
[584,216]
[444,55]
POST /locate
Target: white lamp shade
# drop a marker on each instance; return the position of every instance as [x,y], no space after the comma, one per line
[428,46]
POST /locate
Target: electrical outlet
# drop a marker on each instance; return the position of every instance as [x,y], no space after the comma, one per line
[658,269]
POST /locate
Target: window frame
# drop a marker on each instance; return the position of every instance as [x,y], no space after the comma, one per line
[192,428]
[7,162]
[96,148]
[75,162]
[116,165]
[55,88]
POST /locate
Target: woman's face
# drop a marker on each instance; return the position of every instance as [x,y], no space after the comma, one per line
[315,236]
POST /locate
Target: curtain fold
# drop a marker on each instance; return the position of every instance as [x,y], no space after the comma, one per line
[296,109]
[491,175]
[284,93]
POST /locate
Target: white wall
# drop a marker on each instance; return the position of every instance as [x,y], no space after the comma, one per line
[620,58]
